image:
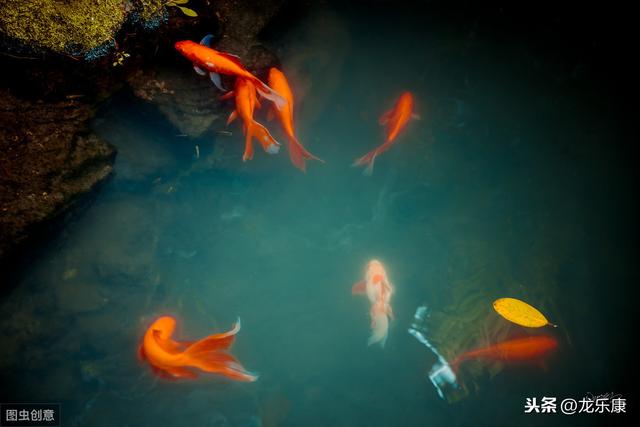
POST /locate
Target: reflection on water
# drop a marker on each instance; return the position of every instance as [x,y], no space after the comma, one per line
[479,200]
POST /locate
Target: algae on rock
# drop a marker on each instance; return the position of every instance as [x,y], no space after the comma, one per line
[72,27]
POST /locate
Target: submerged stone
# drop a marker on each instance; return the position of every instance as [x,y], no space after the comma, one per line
[49,159]
[79,27]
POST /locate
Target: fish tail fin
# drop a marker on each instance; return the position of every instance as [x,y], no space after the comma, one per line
[379,329]
[268,142]
[209,355]
[214,342]
[368,160]
[298,154]
[270,94]
[222,364]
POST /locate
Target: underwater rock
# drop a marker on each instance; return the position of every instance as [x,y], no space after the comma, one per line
[240,24]
[144,153]
[67,27]
[48,160]
[79,297]
[188,102]
[121,251]
[73,28]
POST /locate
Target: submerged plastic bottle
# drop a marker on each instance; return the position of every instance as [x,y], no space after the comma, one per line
[441,375]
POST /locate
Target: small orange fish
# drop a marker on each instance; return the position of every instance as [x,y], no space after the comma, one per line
[379,290]
[395,120]
[246,102]
[206,59]
[174,359]
[297,152]
[527,349]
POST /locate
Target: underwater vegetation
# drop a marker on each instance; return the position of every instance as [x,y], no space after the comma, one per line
[80,28]
[73,27]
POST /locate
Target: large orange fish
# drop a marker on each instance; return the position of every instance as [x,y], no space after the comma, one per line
[174,359]
[206,59]
[527,349]
[395,121]
[297,152]
[379,290]
[246,103]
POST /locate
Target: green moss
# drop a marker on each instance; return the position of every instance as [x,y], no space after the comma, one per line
[70,26]
[149,9]
[62,26]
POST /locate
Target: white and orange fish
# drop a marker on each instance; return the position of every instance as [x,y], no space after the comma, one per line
[379,290]
[246,103]
[205,60]
[395,121]
[174,359]
[297,152]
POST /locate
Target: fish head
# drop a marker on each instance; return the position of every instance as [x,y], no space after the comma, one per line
[275,76]
[405,103]
[165,325]
[186,48]
[376,271]
[274,73]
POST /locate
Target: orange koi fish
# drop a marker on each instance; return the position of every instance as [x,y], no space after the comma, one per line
[246,102]
[527,349]
[174,359]
[206,59]
[297,152]
[378,289]
[395,120]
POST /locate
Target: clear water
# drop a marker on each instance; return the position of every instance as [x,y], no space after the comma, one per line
[508,186]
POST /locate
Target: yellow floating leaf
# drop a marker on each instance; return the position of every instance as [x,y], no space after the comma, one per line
[520,312]
[187,11]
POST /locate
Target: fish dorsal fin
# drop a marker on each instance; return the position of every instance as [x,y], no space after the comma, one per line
[231,57]
[206,40]
[168,345]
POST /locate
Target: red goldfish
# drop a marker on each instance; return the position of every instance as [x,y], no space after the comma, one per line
[395,120]
[527,349]
[297,152]
[206,59]
[246,102]
[174,359]
[378,289]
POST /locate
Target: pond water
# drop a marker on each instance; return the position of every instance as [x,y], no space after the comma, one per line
[509,185]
